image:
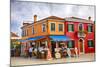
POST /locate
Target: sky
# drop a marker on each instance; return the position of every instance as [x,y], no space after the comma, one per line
[25,10]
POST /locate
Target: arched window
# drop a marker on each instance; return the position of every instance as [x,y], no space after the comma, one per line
[80,27]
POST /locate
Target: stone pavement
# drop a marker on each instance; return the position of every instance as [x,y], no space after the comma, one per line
[16,61]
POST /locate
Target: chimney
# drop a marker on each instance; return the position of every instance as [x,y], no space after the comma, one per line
[35,18]
[89,18]
[25,24]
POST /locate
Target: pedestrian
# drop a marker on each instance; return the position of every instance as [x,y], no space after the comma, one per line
[69,52]
[76,52]
[30,51]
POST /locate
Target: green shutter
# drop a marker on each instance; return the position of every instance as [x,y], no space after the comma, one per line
[70,44]
[90,43]
[70,27]
[89,28]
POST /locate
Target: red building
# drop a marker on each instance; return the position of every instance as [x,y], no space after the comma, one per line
[81,33]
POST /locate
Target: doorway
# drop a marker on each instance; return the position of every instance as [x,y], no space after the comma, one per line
[53,46]
[81,46]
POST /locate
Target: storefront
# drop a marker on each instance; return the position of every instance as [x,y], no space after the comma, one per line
[52,43]
[15,47]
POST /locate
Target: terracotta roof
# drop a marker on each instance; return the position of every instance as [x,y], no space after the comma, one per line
[14,35]
[75,19]
[52,17]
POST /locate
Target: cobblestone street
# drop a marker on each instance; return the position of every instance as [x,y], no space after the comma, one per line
[16,61]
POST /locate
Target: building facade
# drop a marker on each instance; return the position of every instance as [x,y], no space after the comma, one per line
[53,32]
[44,33]
[81,33]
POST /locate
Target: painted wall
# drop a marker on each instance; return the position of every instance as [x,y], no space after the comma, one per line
[74,35]
[56,32]
[37,30]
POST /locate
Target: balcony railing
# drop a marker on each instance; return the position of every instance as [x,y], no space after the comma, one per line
[81,33]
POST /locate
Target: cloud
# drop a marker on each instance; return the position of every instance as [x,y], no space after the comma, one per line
[24,11]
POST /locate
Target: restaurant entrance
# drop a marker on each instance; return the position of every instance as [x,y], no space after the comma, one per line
[53,46]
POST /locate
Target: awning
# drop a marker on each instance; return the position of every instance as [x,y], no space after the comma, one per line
[59,38]
[22,40]
[35,38]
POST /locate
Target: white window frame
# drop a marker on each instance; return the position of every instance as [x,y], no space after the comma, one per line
[23,32]
[92,28]
[82,45]
[50,26]
[43,27]
[93,42]
[67,27]
[59,27]
[82,26]
[71,40]
[32,30]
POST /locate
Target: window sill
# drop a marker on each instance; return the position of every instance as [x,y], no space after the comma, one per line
[90,47]
[70,31]
[90,32]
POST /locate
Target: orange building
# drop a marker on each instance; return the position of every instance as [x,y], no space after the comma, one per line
[47,32]
[47,26]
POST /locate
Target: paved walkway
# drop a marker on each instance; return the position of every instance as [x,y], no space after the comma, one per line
[33,61]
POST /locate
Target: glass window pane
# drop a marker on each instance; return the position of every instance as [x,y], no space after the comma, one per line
[90,28]
[60,27]
[70,44]
[90,43]
[70,27]
[52,26]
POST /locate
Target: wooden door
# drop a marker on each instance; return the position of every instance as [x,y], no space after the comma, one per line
[81,46]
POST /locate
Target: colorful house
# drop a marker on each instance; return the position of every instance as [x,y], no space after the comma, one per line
[47,32]
[55,32]
[81,33]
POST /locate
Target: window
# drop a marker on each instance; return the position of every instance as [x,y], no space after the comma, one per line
[22,32]
[90,43]
[27,32]
[70,27]
[71,44]
[52,26]
[43,27]
[60,27]
[32,30]
[80,27]
[90,28]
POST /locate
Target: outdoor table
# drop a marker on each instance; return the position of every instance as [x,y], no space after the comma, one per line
[43,54]
[64,53]
[72,52]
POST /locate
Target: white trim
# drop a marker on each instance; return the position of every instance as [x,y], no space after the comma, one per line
[45,27]
[93,42]
[63,28]
[71,40]
[67,26]
[15,37]
[82,26]
[92,28]
[33,32]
